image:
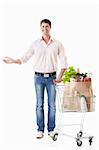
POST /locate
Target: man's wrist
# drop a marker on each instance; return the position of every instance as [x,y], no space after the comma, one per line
[17,61]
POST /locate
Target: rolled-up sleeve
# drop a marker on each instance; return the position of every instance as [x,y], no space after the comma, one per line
[62,56]
[28,54]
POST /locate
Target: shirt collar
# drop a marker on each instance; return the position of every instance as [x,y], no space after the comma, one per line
[51,39]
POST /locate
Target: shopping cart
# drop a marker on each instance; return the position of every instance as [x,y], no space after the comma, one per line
[78,103]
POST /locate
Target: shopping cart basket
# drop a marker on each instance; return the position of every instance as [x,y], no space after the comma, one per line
[73,101]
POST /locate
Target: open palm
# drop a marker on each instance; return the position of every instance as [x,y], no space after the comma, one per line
[8,60]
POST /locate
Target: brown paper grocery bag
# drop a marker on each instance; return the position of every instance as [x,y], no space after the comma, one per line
[72,102]
[83,88]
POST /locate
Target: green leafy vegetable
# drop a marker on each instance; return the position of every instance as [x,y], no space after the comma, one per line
[70,72]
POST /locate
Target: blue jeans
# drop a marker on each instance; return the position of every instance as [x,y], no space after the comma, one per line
[40,84]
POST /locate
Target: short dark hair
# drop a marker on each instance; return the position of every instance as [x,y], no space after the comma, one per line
[46,21]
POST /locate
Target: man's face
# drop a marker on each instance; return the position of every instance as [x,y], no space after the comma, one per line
[45,28]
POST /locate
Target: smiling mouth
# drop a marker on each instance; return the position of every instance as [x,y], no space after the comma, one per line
[45,31]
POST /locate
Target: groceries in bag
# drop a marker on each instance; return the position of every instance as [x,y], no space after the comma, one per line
[78,95]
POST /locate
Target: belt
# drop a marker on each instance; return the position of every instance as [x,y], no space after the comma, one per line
[45,74]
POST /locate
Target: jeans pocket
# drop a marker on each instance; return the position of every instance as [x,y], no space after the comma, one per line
[36,77]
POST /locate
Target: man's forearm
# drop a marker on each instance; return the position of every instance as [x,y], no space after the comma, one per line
[61,74]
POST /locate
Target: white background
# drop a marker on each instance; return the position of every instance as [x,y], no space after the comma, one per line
[75,24]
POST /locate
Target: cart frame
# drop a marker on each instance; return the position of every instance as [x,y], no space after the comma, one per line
[80,135]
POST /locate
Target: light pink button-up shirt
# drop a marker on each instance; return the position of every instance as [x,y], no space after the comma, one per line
[45,55]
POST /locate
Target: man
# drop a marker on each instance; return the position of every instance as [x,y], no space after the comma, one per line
[45,51]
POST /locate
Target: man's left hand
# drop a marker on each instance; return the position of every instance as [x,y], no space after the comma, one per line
[55,81]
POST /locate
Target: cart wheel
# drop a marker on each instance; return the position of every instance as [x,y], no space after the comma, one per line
[90,140]
[80,134]
[55,137]
[79,142]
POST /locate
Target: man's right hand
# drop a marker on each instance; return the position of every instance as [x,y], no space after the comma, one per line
[8,60]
